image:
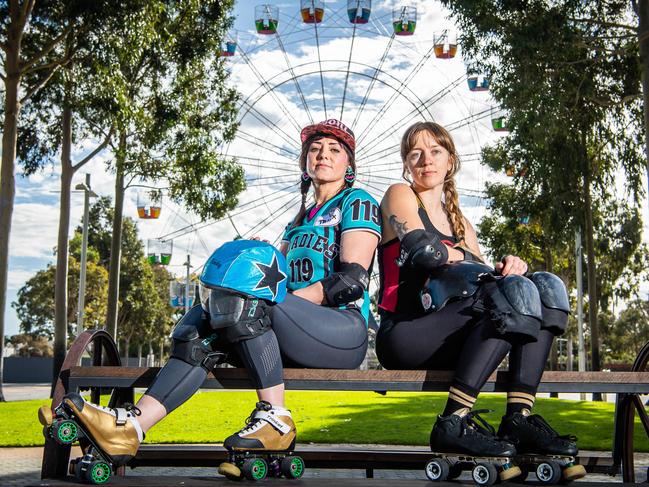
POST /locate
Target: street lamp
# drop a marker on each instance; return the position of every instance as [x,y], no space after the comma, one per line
[88,193]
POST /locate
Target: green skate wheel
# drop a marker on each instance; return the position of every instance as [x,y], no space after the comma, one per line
[255,469]
[292,467]
[99,472]
[65,432]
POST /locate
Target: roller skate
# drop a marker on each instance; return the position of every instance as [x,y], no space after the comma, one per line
[468,442]
[113,435]
[264,447]
[541,449]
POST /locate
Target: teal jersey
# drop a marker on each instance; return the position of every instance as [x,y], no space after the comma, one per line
[314,246]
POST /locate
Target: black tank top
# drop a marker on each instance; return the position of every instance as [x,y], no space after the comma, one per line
[400,286]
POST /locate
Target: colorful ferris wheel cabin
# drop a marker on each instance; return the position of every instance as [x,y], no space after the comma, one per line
[312,11]
[178,291]
[445,44]
[159,251]
[499,120]
[266,19]
[404,20]
[148,206]
[478,82]
[359,11]
[229,49]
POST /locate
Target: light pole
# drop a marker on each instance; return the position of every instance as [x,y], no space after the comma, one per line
[88,193]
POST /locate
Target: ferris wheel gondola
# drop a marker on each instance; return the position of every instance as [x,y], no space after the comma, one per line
[359,11]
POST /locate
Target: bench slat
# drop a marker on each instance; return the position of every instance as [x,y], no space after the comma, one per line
[366,380]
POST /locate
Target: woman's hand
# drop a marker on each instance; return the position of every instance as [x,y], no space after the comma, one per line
[511,264]
[256,237]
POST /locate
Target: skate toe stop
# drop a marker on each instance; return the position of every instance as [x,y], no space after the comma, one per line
[230,470]
[574,472]
[45,415]
[510,473]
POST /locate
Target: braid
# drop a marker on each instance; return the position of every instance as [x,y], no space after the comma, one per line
[304,190]
[452,205]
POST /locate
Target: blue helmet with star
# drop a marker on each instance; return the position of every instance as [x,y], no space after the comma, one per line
[248,267]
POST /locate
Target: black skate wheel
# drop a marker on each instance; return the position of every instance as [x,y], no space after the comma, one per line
[292,467]
[65,432]
[484,474]
[437,469]
[525,471]
[454,472]
[548,472]
[255,468]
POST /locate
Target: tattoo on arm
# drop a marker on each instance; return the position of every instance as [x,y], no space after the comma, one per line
[399,227]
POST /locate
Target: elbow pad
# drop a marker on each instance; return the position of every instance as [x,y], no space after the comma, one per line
[422,250]
[347,285]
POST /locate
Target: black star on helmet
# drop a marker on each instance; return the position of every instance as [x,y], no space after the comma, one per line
[271,278]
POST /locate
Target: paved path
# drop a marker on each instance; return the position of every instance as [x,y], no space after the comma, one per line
[21,467]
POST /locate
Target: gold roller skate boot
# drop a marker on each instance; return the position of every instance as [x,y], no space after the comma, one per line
[267,428]
[115,431]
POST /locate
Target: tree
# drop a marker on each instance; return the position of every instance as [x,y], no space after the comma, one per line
[28,345]
[629,331]
[144,309]
[569,76]
[166,86]
[35,305]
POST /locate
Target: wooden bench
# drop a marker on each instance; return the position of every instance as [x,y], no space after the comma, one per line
[105,373]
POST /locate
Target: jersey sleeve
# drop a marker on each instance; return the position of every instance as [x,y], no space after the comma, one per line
[287,229]
[360,211]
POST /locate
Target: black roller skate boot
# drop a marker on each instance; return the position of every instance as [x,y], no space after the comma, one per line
[540,448]
[469,434]
[468,442]
[264,446]
[532,434]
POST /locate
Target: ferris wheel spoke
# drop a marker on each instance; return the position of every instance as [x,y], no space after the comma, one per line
[294,78]
[264,83]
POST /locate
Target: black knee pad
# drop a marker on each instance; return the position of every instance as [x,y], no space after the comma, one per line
[192,340]
[554,298]
[513,305]
[238,317]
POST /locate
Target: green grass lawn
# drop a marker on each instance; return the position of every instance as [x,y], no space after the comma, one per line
[335,417]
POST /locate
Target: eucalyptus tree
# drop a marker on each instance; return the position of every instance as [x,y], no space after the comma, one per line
[171,108]
[568,74]
[35,43]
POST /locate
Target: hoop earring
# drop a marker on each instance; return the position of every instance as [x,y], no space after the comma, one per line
[350,175]
[305,177]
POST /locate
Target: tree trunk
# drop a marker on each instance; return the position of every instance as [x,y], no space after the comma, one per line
[139,355]
[592,278]
[61,288]
[127,343]
[643,39]
[116,242]
[7,180]
[162,350]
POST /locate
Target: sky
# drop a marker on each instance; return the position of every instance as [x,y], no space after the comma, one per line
[376,83]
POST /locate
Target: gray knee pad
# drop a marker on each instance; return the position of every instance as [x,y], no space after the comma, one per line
[192,341]
[238,317]
[554,298]
[513,305]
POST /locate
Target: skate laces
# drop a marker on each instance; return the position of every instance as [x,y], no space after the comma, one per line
[252,421]
[472,421]
[542,425]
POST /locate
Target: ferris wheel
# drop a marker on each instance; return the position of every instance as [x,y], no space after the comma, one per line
[378,70]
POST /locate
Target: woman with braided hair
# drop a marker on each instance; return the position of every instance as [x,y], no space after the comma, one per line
[443,308]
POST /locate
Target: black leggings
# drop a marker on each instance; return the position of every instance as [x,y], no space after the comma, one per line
[453,338]
[303,334]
